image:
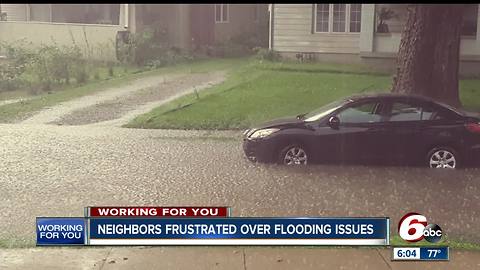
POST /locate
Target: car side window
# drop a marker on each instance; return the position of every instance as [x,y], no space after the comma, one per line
[360,113]
[402,111]
[430,113]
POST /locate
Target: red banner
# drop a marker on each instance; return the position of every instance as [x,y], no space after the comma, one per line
[153,211]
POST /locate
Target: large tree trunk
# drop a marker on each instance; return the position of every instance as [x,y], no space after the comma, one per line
[428,57]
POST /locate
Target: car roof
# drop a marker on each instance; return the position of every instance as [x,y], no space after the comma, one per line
[387,96]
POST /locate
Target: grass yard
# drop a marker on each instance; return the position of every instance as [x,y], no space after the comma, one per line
[256,92]
[20,110]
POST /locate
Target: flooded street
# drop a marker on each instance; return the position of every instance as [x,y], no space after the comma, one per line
[59,170]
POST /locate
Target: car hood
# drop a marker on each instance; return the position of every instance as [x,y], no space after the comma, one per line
[281,123]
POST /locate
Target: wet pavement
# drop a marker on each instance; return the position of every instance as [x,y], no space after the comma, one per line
[49,170]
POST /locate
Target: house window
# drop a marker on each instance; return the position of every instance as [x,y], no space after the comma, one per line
[40,12]
[221,13]
[337,18]
[322,17]
[355,17]
[76,13]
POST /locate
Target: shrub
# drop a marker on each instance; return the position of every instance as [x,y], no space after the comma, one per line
[110,69]
[151,48]
[125,49]
[247,40]
[42,68]
[18,60]
[236,46]
[55,65]
[9,78]
[230,49]
[79,71]
[266,54]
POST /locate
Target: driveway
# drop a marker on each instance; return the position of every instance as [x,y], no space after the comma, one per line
[119,105]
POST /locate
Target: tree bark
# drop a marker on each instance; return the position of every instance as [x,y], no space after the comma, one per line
[428,57]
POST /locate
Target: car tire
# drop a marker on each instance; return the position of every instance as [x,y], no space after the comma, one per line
[293,154]
[443,157]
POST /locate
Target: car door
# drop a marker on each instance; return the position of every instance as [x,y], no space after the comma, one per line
[361,131]
[439,126]
[402,122]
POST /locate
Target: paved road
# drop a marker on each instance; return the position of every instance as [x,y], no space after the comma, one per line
[58,170]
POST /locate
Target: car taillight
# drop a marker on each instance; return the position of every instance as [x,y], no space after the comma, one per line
[473,127]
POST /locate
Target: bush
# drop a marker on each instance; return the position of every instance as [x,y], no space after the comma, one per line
[43,68]
[19,58]
[266,54]
[55,65]
[229,49]
[237,46]
[111,72]
[152,49]
[9,78]
[247,40]
[80,72]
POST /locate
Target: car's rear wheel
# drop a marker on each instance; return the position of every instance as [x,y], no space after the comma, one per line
[294,154]
[443,157]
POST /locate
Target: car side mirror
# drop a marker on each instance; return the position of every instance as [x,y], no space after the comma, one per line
[334,122]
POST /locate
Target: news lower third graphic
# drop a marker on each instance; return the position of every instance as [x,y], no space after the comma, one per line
[206,226]
[413,227]
[420,254]
[239,231]
[61,231]
[165,211]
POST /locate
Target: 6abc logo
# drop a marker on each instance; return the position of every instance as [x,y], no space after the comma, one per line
[413,228]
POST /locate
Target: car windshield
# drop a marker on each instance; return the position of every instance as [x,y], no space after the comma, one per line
[323,111]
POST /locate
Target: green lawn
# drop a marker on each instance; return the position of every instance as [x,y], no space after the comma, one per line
[256,92]
[20,110]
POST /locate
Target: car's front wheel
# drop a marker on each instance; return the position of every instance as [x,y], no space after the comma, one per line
[294,154]
[443,157]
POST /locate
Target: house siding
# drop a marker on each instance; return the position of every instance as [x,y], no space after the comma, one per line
[172,18]
[241,21]
[292,32]
[15,12]
[390,43]
[96,41]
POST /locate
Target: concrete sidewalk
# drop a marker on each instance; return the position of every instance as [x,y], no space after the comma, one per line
[231,258]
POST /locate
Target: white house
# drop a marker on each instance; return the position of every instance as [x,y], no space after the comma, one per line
[350,33]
